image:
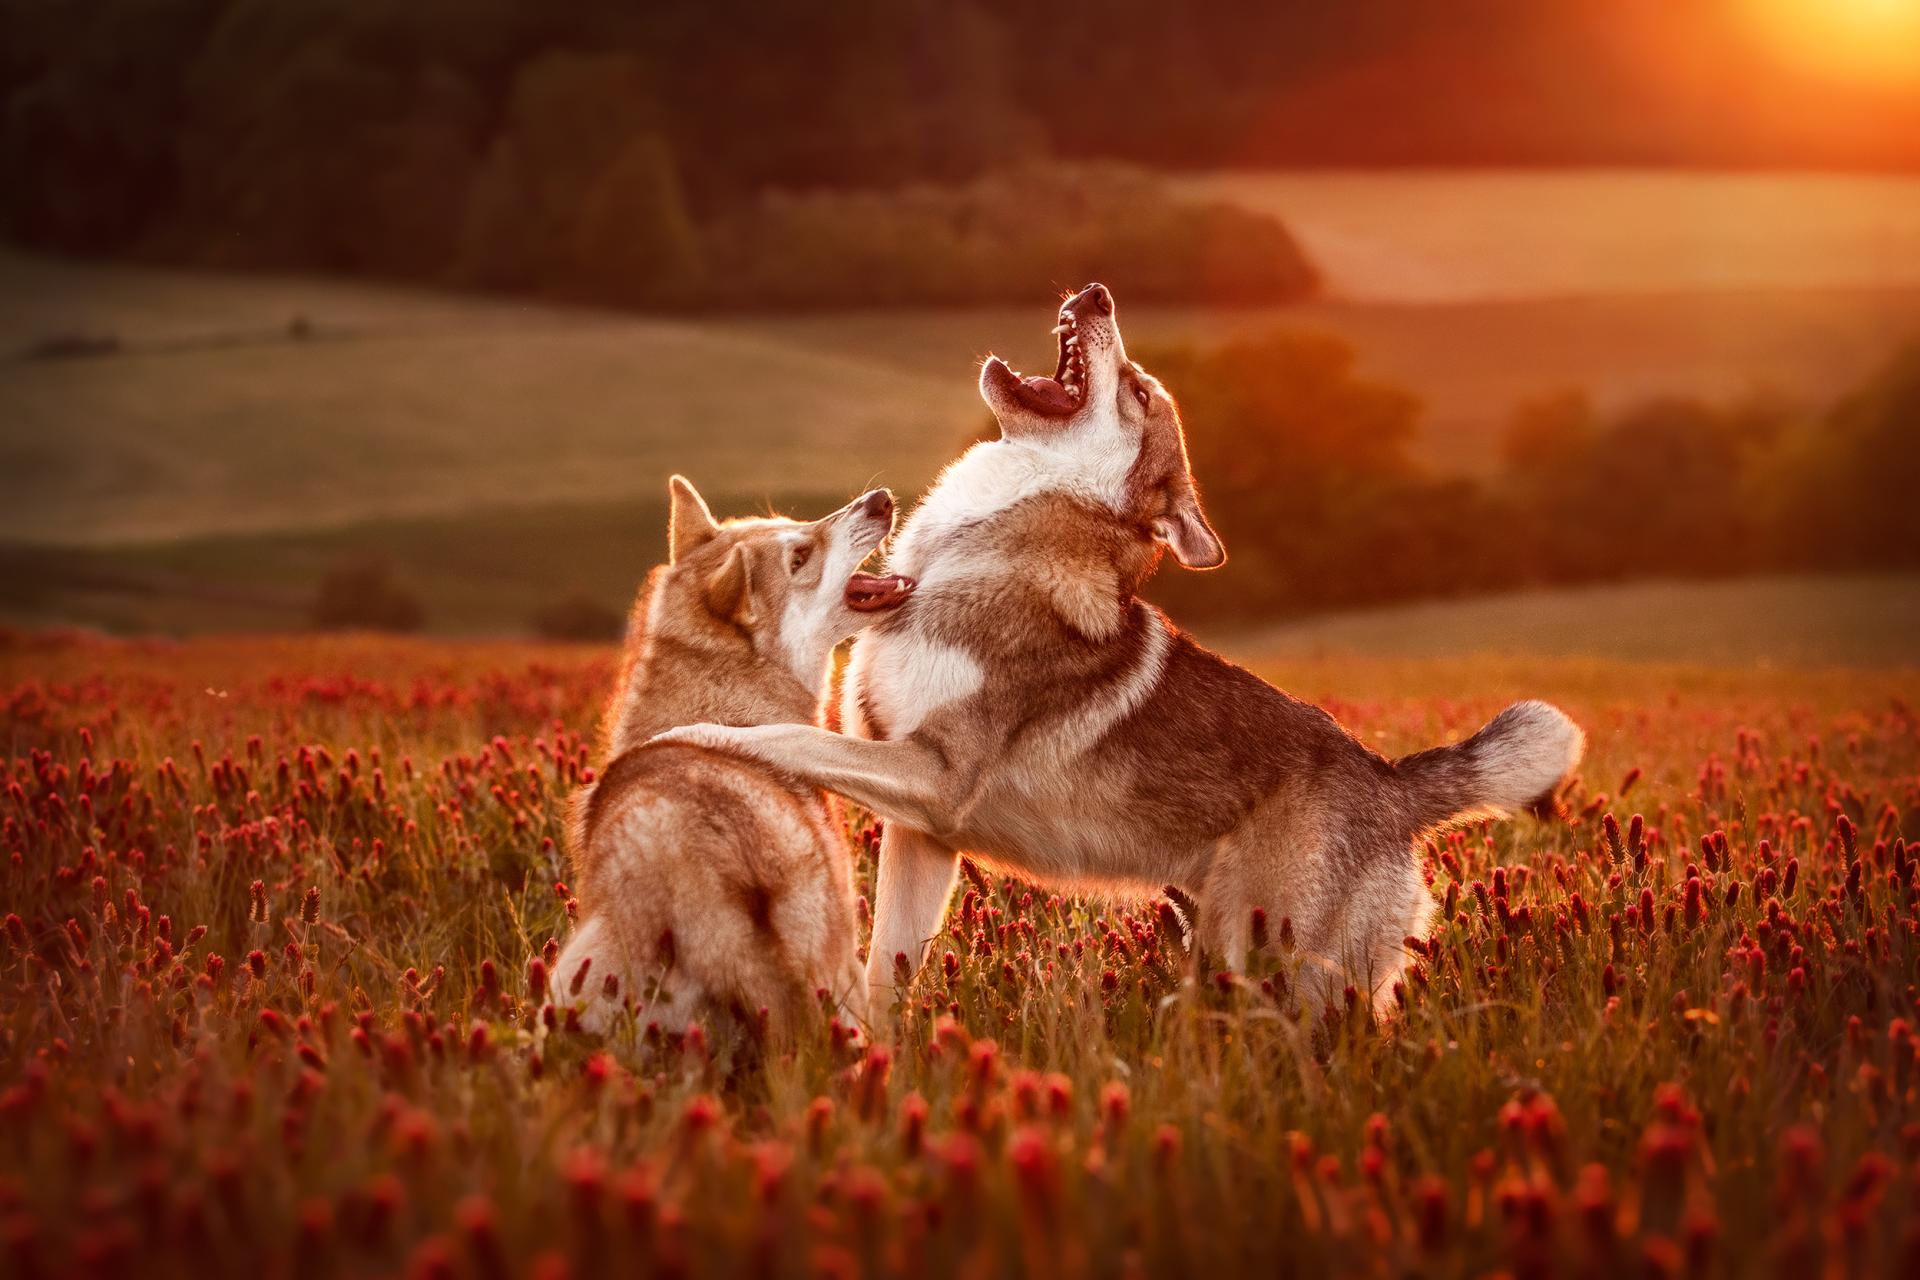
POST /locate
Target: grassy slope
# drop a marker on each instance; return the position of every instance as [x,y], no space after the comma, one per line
[1467,234]
[1859,620]
[213,419]
[474,573]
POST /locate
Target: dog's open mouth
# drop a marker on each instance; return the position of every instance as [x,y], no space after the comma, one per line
[1061,395]
[875,592]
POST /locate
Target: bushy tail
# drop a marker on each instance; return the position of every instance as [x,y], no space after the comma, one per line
[1516,761]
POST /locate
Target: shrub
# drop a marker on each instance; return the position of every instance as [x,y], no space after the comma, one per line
[578,617]
[1307,476]
[72,346]
[362,595]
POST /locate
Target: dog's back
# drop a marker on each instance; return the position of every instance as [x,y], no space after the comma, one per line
[706,884]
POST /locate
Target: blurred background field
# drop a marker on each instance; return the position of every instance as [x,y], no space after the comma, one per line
[237,436]
[1766,623]
[428,303]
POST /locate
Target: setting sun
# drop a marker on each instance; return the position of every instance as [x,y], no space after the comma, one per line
[1861,40]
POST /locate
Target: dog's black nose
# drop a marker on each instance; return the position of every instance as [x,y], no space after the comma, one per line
[878,504]
[1095,298]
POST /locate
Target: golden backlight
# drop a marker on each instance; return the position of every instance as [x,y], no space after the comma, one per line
[1865,41]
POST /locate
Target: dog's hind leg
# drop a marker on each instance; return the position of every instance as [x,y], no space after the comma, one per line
[1275,862]
[1397,905]
[592,953]
[1223,923]
[910,894]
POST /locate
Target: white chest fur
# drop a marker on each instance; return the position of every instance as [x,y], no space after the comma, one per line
[905,678]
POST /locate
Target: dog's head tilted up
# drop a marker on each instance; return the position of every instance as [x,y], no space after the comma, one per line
[1113,425]
[790,591]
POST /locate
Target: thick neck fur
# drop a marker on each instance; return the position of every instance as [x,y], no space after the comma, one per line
[1041,515]
[683,666]
[1089,462]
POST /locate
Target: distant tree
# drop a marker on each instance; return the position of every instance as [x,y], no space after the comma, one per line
[316,132]
[634,240]
[1862,505]
[570,120]
[1303,466]
[1663,487]
[499,238]
[417,193]
[1547,436]
[362,594]
[1009,235]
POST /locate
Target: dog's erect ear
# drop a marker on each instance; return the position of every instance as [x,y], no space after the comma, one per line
[730,590]
[689,523]
[1185,530]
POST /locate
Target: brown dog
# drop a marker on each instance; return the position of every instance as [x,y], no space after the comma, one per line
[708,881]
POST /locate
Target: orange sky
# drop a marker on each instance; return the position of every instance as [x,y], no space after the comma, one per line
[1867,42]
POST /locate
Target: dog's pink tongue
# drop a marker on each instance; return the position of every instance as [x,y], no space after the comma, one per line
[872,592]
[1046,395]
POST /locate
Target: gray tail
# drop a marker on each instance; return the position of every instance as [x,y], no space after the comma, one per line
[1516,761]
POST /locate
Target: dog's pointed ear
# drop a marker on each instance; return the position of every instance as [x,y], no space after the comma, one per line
[689,523]
[1185,530]
[730,590]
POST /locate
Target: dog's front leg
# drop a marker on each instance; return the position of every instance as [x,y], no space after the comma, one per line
[910,893]
[902,781]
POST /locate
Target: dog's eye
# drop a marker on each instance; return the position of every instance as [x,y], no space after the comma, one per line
[1140,394]
[799,557]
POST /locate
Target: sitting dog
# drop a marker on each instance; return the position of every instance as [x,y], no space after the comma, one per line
[1027,707]
[707,881]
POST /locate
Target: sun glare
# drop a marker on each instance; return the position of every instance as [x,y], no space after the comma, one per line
[1875,41]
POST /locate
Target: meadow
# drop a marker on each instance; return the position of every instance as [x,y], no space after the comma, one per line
[278,937]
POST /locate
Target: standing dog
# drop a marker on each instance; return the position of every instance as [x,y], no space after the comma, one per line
[705,880]
[1027,707]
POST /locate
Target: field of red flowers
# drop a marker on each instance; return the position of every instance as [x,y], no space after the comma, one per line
[277,920]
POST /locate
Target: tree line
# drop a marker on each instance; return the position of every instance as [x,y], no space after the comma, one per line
[746,152]
[662,155]
[1307,475]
